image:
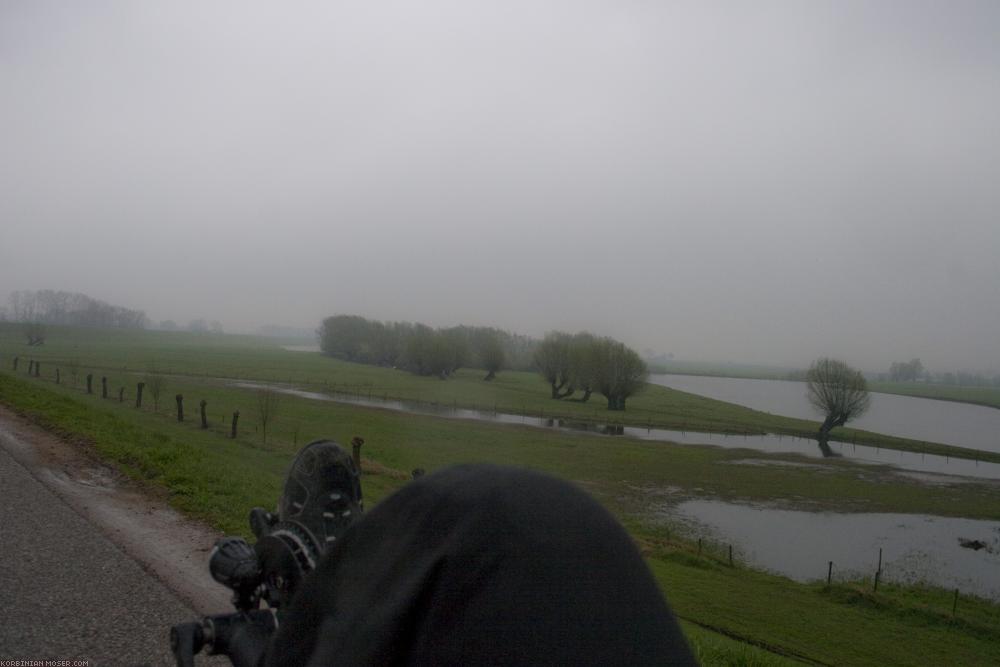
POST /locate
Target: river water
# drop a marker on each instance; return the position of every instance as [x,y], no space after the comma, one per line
[946,422]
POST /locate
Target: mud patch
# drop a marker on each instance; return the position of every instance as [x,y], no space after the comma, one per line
[779,464]
[932,479]
[657,491]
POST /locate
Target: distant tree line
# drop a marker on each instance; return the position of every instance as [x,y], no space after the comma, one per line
[966,379]
[914,371]
[73,309]
[585,363]
[906,371]
[194,326]
[421,349]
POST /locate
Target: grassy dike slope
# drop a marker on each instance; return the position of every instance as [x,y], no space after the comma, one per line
[985,396]
[124,355]
[217,479]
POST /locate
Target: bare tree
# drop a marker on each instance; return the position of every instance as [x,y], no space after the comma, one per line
[154,383]
[22,305]
[268,406]
[838,391]
[73,366]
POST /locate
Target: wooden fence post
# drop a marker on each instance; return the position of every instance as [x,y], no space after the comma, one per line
[104,387]
[236,418]
[138,394]
[204,415]
[356,443]
[180,407]
[90,383]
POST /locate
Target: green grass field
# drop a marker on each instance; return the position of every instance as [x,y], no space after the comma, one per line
[125,355]
[733,616]
[725,370]
[986,396]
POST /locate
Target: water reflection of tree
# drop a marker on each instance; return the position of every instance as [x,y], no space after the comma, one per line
[824,447]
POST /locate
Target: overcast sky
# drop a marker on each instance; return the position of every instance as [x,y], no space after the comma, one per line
[747,181]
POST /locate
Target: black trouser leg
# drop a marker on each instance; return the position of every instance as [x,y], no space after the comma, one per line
[482,565]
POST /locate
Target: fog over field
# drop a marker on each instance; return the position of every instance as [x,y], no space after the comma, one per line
[764,182]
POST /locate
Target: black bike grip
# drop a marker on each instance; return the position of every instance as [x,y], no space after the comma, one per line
[186,640]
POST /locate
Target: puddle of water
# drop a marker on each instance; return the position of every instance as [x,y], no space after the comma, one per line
[775,444]
[301,348]
[915,548]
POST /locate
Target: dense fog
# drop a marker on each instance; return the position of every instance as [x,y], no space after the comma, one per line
[761,182]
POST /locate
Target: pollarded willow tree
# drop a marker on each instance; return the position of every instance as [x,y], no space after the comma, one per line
[590,364]
[583,362]
[838,391]
[491,355]
[552,357]
[618,371]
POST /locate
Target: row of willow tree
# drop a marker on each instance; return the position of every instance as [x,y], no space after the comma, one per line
[421,349]
[586,363]
[575,365]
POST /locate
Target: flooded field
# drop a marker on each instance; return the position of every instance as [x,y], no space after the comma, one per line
[942,551]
